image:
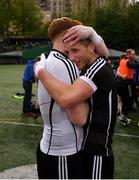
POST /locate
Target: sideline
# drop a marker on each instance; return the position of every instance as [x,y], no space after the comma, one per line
[39,125]
[21,172]
[19,123]
[127,135]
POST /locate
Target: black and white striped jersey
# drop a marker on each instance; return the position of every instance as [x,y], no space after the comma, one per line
[60,136]
[99,129]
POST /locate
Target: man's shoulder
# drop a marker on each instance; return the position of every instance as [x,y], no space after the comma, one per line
[124,61]
[95,67]
[62,60]
[57,54]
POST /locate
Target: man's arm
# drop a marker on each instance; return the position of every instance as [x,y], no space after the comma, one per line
[66,95]
[120,75]
[81,32]
[78,114]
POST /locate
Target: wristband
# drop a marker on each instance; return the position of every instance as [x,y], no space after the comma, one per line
[96,39]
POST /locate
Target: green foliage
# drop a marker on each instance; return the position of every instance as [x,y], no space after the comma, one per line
[27,17]
[85,10]
[5,16]
[132,26]
[20,17]
[117,22]
[68,10]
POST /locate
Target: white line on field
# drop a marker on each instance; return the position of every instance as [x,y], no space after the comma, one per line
[19,123]
[127,135]
[25,124]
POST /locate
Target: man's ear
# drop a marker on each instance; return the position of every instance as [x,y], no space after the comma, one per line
[92,47]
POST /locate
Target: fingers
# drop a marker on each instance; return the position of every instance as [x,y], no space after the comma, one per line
[70,35]
[78,32]
[40,64]
[43,57]
[72,42]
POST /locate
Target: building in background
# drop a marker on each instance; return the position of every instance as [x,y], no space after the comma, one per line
[58,8]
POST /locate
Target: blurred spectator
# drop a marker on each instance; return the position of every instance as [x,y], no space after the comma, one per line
[136,85]
[112,65]
[34,107]
[126,86]
[28,80]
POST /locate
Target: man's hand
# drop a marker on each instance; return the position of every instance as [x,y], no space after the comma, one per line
[80,32]
[40,64]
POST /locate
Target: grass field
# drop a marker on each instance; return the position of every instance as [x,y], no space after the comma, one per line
[18,142]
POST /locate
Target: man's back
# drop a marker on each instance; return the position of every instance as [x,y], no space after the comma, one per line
[104,107]
[60,136]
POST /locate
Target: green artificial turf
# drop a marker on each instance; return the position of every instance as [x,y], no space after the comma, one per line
[18,142]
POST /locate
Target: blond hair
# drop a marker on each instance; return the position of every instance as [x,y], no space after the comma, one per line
[129,51]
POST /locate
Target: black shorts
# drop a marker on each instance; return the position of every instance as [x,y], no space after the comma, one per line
[98,167]
[59,167]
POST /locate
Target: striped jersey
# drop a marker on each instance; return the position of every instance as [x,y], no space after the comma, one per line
[60,136]
[99,128]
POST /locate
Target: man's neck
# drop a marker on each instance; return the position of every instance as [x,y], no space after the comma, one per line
[58,46]
[93,59]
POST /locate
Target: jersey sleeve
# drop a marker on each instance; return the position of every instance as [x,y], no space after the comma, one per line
[65,71]
[98,75]
[90,82]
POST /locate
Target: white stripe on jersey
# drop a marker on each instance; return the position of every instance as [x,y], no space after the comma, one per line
[91,71]
[90,120]
[110,113]
[69,64]
[96,66]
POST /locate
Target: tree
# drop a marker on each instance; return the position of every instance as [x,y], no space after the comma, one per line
[132,26]
[5,16]
[85,11]
[114,24]
[68,10]
[27,17]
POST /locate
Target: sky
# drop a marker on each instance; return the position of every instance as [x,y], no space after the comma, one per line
[131,0]
[136,0]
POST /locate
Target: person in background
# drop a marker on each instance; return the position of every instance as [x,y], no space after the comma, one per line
[28,80]
[126,86]
[35,109]
[112,65]
[136,85]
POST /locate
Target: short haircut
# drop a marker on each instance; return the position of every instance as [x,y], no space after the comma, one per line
[59,25]
[86,42]
[129,51]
